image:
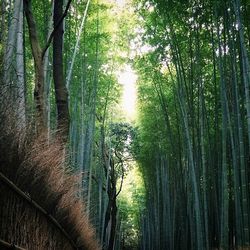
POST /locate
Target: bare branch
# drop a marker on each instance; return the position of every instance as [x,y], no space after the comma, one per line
[120,188]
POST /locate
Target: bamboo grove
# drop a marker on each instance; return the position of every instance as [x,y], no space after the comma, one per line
[58,76]
[60,62]
[194,123]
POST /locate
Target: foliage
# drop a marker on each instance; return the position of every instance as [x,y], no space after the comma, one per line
[191,78]
[192,135]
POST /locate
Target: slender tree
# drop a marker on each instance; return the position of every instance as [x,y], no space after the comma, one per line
[61,93]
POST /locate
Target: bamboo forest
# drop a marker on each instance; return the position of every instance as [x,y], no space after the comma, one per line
[125,124]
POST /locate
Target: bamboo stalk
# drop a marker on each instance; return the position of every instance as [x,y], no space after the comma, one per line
[11,246]
[18,191]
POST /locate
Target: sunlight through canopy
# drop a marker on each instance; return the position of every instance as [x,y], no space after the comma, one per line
[127,78]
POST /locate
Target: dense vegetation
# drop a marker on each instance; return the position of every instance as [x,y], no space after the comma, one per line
[194,122]
[177,176]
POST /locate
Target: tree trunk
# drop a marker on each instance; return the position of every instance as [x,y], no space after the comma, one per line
[11,43]
[61,93]
[245,67]
[113,224]
[224,228]
[39,69]
[20,71]
[47,71]
[76,46]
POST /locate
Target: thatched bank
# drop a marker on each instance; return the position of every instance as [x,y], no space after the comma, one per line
[24,225]
[38,204]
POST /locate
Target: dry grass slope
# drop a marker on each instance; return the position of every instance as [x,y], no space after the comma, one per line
[37,168]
